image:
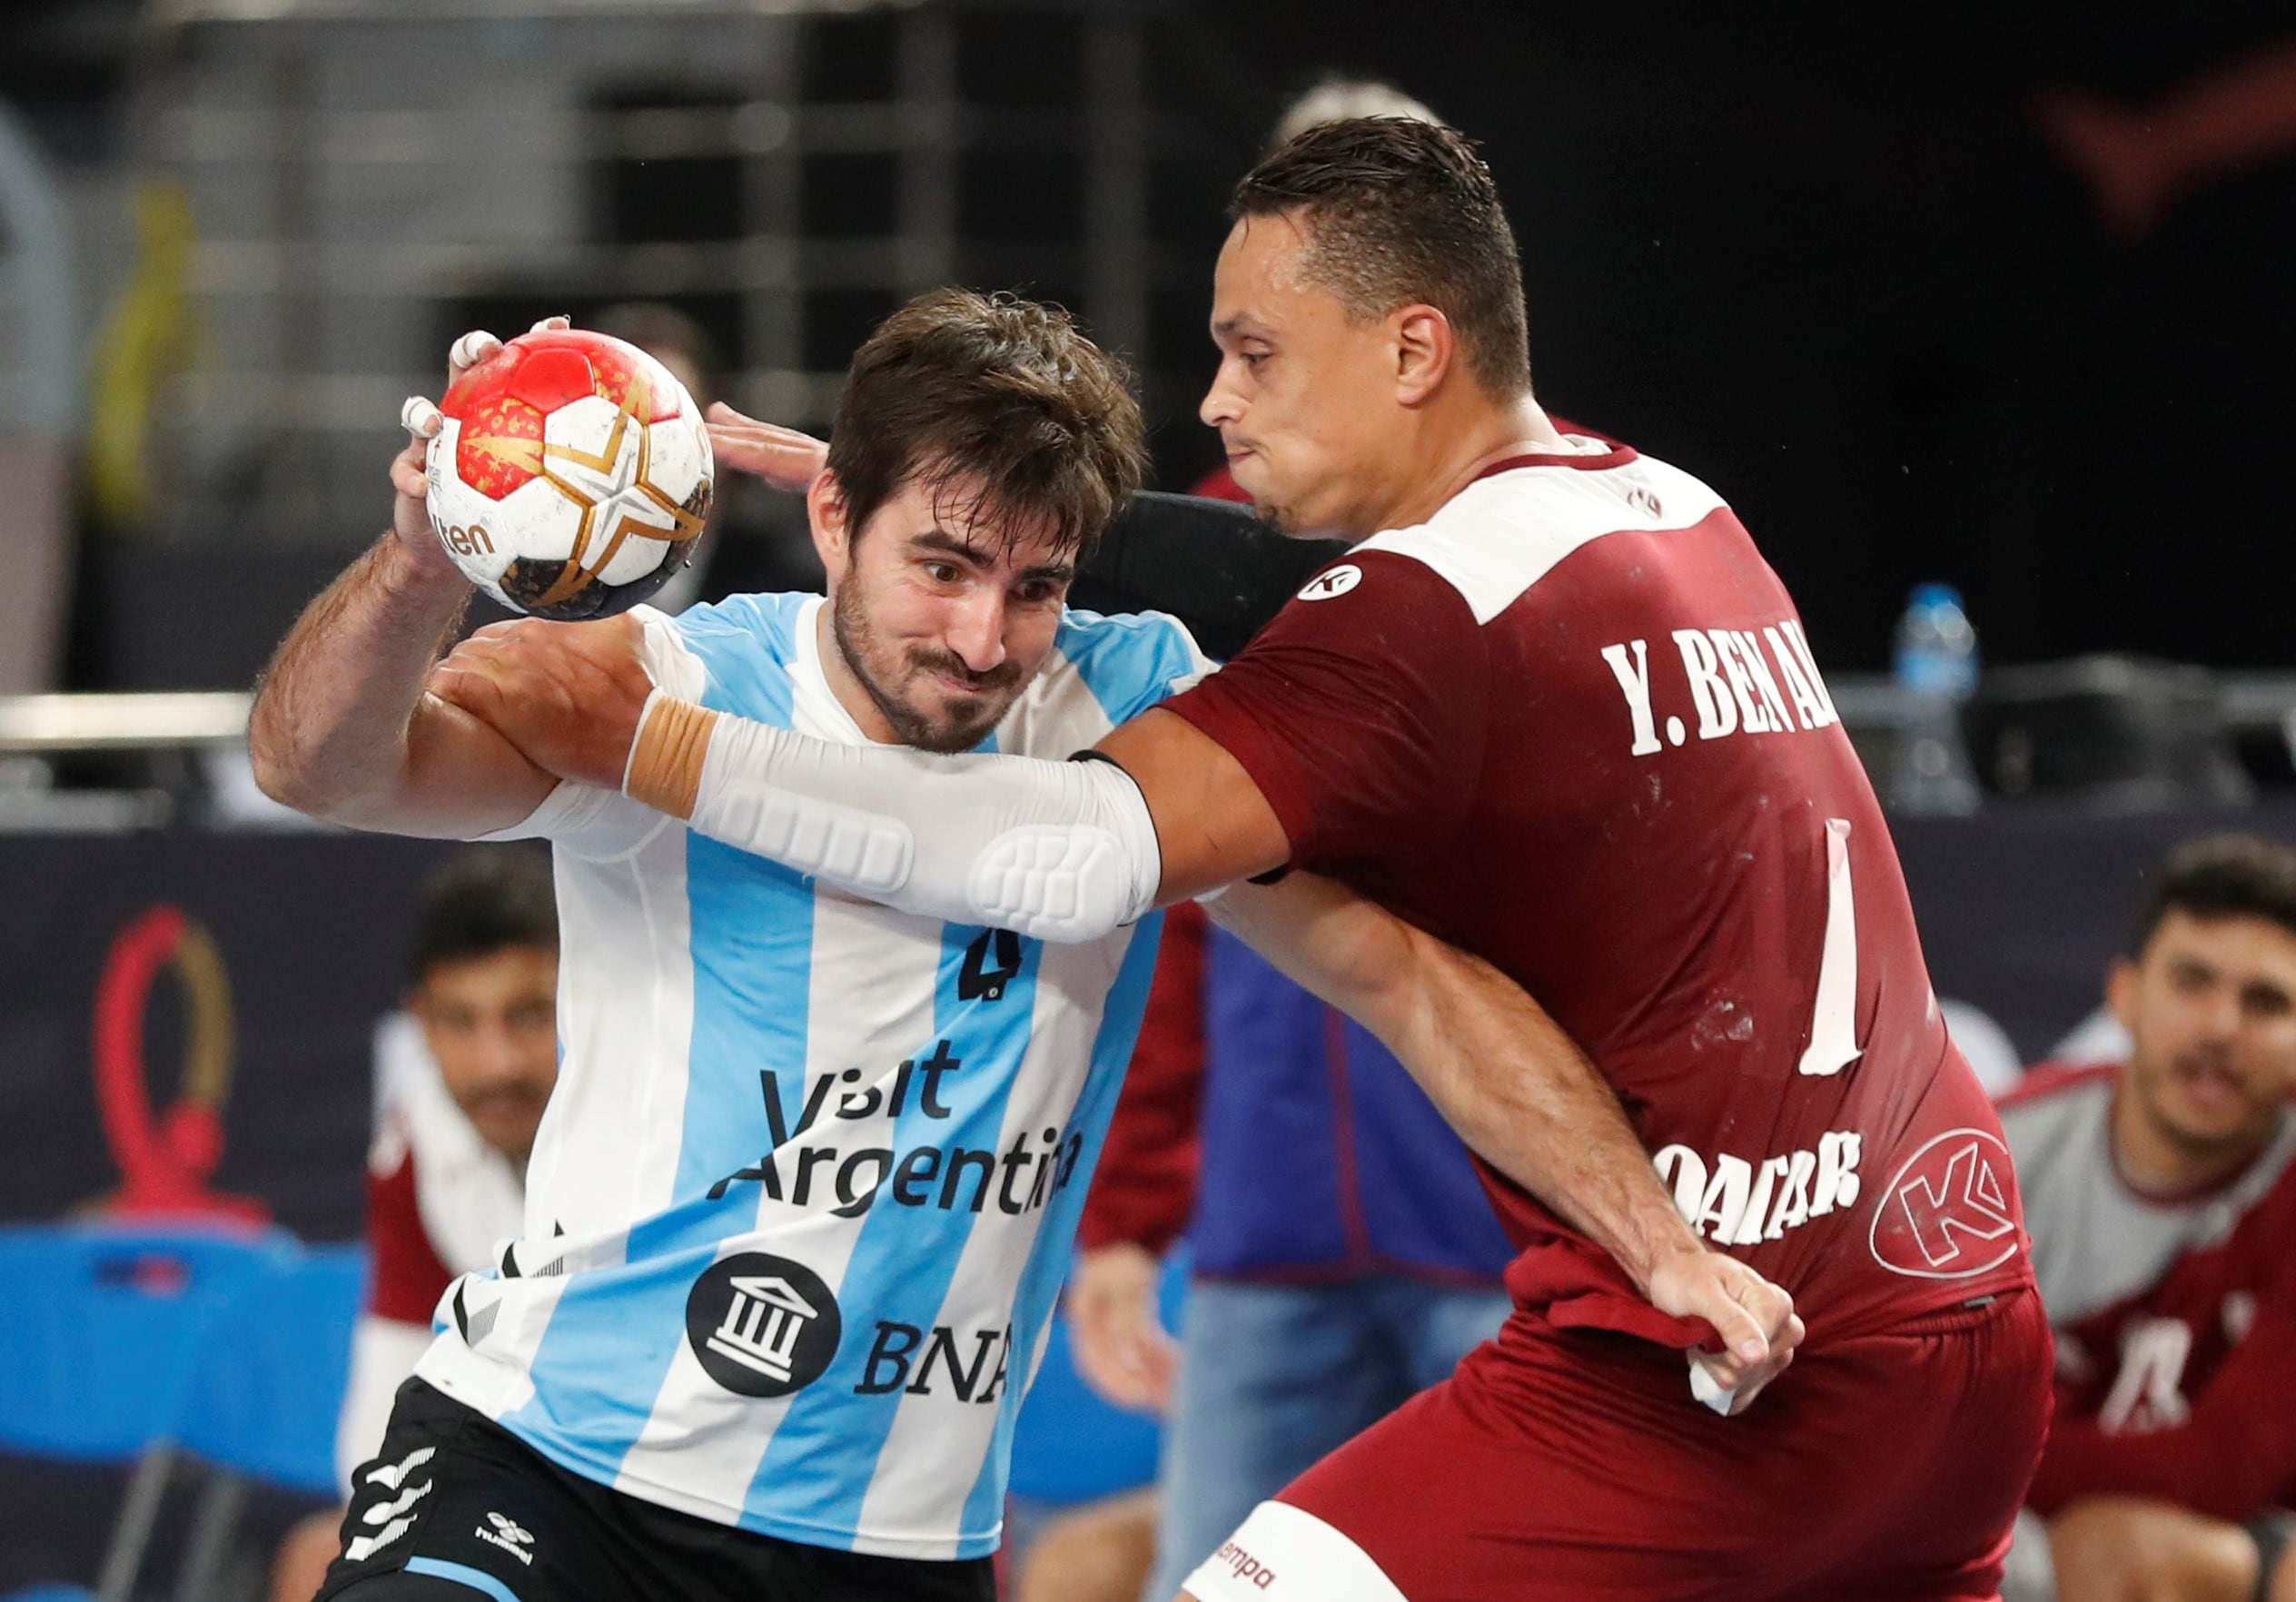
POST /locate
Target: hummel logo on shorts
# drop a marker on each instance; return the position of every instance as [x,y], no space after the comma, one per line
[506,1536]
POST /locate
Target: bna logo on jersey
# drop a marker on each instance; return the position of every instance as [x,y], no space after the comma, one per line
[1946,1214]
[1332,582]
[762,1326]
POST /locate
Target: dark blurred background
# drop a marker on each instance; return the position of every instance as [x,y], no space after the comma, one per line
[1847,265]
[1994,298]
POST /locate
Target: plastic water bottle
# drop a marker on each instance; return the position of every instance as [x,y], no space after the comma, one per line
[1936,668]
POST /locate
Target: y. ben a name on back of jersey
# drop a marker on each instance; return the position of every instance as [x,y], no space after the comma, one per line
[1728,680]
[1029,1173]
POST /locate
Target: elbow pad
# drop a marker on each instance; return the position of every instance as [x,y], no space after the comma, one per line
[1059,851]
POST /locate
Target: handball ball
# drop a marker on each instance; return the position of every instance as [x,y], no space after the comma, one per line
[571,476]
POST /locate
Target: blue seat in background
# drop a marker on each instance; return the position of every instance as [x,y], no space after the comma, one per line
[267,1389]
[101,1328]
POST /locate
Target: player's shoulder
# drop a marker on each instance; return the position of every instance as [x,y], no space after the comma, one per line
[1125,659]
[1511,527]
[2061,1084]
[768,622]
[2057,1108]
[746,646]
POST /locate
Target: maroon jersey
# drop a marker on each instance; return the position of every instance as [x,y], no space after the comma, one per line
[1571,724]
[2175,1315]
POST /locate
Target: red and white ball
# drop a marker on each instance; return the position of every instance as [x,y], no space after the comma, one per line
[572,476]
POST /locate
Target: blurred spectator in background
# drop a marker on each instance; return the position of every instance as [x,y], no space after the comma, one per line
[2138,161]
[2161,1195]
[461,1079]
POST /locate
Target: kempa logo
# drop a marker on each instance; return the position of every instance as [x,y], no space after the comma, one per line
[1332,582]
[1945,1216]
[1244,1566]
[506,1536]
[762,1325]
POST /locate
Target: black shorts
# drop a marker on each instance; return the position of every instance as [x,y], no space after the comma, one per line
[454,1505]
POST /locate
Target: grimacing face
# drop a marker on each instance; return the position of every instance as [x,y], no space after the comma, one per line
[941,612]
[2210,1003]
[1305,399]
[491,1024]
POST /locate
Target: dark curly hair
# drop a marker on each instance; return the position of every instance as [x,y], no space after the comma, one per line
[2220,877]
[1002,399]
[481,901]
[1398,211]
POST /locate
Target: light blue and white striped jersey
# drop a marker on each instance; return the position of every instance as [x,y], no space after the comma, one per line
[805,1194]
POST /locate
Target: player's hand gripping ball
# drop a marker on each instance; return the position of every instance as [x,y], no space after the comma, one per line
[571,476]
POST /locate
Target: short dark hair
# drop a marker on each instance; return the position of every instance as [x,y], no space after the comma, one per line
[1004,392]
[2220,877]
[1398,211]
[485,900]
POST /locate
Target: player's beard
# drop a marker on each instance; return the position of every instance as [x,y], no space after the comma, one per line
[872,662]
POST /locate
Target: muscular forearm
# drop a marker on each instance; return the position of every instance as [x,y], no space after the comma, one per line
[329,734]
[1524,1098]
[1506,1076]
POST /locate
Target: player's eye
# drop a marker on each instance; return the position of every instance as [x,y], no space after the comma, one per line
[1037,591]
[1252,359]
[942,572]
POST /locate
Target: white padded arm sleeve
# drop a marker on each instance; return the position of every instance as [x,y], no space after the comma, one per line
[1061,850]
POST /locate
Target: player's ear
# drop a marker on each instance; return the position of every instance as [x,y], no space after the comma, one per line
[832,534]
[2119,994]
[1425,349]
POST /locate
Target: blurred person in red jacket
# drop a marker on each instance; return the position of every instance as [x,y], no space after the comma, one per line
[2161,1195]
[461,1078]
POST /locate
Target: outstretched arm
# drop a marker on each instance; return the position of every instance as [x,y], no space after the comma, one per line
[1524,1098]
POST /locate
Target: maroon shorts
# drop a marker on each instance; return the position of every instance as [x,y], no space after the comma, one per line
[1575,1464]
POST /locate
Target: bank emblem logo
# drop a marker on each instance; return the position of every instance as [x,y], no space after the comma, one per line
[1947,1215]
[761,1325]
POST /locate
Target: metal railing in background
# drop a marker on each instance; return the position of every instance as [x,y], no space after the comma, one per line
[160,759]
[484,129]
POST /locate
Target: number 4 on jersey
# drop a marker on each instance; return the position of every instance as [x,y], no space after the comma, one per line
[1834,1021]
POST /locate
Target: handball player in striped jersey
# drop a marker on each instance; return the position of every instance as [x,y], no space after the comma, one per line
[805,1194]
[1554,707]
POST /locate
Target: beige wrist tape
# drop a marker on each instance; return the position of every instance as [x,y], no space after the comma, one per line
[666,759]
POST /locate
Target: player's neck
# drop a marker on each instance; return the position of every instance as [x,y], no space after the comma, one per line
[2154,1160]
[1460,448]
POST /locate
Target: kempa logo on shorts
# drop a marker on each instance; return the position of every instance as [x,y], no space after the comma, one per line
[1332,582]
[1244,1566]
[762,1325]
[506,1536]
[1947,1215]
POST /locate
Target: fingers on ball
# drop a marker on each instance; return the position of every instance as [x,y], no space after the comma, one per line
[472,348]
